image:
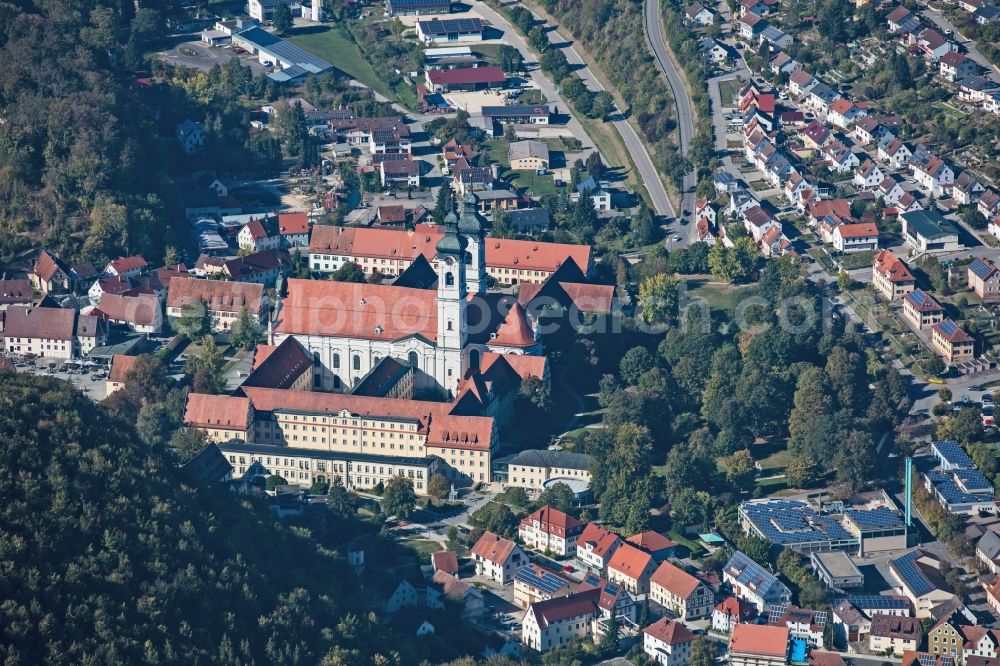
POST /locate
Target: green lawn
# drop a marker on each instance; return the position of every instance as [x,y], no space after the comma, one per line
[719,296]
[697,550]
[760,185]
[535,184]
[336,46]
[727,91]
[422,548]
[856,259]
[776,461]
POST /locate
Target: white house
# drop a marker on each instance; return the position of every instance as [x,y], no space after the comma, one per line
[595,546]
[933,176]
[549,530]
[254,237]
[497,558]
[667,642]
[554,622]
[191,136]
[753,583]
[868,176]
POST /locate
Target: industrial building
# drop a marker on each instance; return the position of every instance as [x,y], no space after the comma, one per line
[293,62]
[796,524]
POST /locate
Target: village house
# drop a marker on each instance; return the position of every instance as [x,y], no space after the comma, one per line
[141,312]
[901,20]
[989,204]
[15,292]
[890,635]
[529,155]
[126,267]
[890,191]
[535,583]
[988,551]
[750,26]
[53,333]
[595,546]
[667,642]
[843,113]
[800,82]
[677,591]
[891,277]
[555,622]
[255,237]
[993,594]
[755,645]
[803,624]
[121,365]
[857,237]
[222,301]
[732,611]
[933,176]
[654,543]
[453,151]
[293,229]
[966,189]
[699,15]
[631,568]
[907,203]
[259,267]
[49,274]
[868,176]
[399,173]
[933,44]
[497,558]
[841,158]
[984,279]
[867,130]
[754,584]
[952,343]
[815,135]
[945,637]
[921,310]
[549,530]
[444,585]
[190,136]
[893,152]
[954,66]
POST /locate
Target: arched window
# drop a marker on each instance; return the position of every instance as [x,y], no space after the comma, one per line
[336,360]
[336,382]
[357,362]
[474,359]
[449,279]
[414,360]
[316,360]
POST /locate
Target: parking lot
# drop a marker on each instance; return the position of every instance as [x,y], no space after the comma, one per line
[90,378]
[194,53]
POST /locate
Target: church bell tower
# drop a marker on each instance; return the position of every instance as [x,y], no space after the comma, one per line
[470,227]
[452,331]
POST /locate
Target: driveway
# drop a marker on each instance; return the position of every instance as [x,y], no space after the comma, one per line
[195,54]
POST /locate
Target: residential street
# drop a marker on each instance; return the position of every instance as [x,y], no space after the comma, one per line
[653,26]
[643,162]
[943,24]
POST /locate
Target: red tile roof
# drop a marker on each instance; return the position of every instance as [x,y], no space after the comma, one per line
[552,521]
[602,540]
[651,541]
[891,267]
[524,365]
[630,561]
[445,560]
[858,230]
[293,223]
[675,580]
[217,411]
[120,367]
[515,331]
[494,548]
[46,266]
[534,255]
[558,609]
[256,230]
[123,264]
[39,323]
[16,291]
[669,631]
[760,640]
[140,309]
[218,295]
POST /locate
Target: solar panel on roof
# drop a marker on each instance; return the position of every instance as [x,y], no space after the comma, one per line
[918,296]
[874,601]
[546,582]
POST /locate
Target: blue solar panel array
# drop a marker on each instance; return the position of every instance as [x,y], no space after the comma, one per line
[546,581]
[918,296]
[952,494]
[446,26]
[788,522]
[980,268]
[973,480]
[875,519]
[906,568]
[748,573]
[873,602]
[775,612]
[951,455]
[948,327]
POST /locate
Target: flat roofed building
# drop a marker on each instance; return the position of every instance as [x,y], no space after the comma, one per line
[836,570]
[418,7]
[928,231]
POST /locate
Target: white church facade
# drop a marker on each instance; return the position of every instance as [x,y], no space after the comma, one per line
[441,333]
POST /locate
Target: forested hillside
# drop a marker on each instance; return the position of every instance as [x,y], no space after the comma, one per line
[77,149]
[107,558]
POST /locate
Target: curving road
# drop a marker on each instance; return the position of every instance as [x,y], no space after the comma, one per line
[653,27]
[634,145]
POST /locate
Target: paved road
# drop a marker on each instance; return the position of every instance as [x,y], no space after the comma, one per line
[634,145]
[653,27]
[942,22]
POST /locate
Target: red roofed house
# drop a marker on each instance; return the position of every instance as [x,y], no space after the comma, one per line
[446,561]
[126,267]
[222,300]
[891,277]
[667,642]
[654,543]
[951,342]
[293,229]
[254,236]
[858,237]
[497,558]
[631,568]
[549,530]
[596,545]
[954,66]
[555,622]
[141,312]
[758,645]
[844,112]
[677,591]
[15,292]
[49,274]
[120,367]
[730,612]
